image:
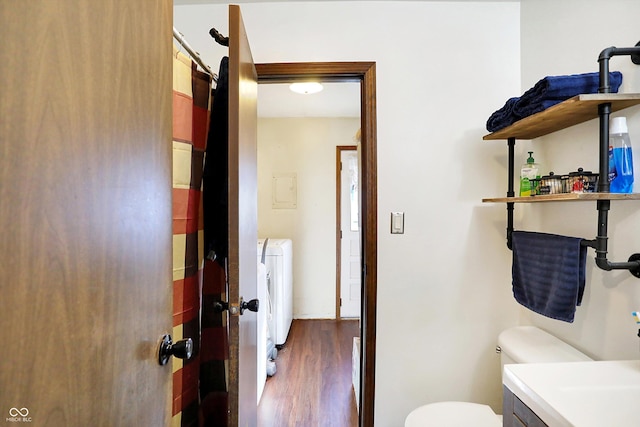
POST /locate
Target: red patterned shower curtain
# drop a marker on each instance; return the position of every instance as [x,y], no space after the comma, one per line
[199,384]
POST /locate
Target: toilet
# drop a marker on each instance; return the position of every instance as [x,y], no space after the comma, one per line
[521,344]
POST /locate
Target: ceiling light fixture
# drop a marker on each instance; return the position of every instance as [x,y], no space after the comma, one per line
[306,88]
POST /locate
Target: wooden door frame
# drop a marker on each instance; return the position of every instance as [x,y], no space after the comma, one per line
[339,150]
[365,73]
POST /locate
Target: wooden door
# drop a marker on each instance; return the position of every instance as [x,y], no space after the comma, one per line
[243,220]
[85,211]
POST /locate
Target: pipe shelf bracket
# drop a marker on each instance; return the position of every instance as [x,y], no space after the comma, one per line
[635,271]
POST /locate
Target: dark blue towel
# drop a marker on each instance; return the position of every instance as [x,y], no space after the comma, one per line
[564,87]
[546,93]
[504,115]
[522,110]
[548,273]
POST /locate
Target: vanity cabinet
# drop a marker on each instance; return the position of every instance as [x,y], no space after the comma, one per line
[572,394]
[516,413]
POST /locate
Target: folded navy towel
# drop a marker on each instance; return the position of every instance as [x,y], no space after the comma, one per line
[547,92]
[504,115]
[564,87]
[548,273]
[522,110]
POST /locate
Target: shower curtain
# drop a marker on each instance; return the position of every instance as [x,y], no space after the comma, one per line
[215,343]
[191,101]
[200,389]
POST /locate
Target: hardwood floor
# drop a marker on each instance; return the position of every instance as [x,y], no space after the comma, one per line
[312,386]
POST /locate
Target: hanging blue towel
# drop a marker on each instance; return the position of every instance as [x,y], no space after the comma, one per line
[547,92]
[548,273]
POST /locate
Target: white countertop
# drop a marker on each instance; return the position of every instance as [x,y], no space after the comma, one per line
[579,394]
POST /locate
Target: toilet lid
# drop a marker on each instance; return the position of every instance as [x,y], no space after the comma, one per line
[452,414]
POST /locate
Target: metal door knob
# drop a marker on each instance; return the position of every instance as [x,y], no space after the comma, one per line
[252,305]
[220,306]
[182,349]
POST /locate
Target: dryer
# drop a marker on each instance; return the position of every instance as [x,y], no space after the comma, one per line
[279,263]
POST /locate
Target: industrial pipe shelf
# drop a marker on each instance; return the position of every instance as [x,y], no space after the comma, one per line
[565,197]
[573,111]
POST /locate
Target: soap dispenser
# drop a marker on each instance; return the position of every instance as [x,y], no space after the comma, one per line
[528,172]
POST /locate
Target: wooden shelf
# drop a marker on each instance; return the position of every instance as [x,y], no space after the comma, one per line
[568,113]
[566,197]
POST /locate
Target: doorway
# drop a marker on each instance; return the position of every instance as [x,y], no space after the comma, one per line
[348,284]
[297,189]
[364,73]
[297,196]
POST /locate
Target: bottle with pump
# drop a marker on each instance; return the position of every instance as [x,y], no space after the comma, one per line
[620,157]
[529,171]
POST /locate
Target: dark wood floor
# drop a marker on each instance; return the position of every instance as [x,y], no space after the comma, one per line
[312,386]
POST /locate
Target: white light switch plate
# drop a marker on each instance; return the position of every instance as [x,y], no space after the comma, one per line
[397,222]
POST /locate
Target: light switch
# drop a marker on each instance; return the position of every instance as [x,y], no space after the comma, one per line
[397,222]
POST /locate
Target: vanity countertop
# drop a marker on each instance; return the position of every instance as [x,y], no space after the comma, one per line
[579,394]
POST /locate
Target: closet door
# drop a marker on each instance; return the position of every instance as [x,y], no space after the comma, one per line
[243,220]
[85,212]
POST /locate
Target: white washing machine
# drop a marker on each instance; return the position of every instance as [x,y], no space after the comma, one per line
[279,263]
[262,329]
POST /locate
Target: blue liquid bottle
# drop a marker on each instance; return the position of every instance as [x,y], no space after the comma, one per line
[620,157]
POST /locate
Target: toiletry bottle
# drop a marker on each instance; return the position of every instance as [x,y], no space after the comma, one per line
[529,171]
[621,172]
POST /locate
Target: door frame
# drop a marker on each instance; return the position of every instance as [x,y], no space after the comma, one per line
[339,150]
[365,73]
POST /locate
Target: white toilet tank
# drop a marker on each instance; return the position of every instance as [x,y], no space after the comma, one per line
[521,344]
[528,344]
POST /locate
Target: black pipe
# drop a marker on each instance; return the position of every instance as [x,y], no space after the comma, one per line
[511,142]
[603,206]
[604,111]
[601,244]
[603,59]
[601,237]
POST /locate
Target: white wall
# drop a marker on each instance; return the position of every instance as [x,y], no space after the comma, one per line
[306,147]
[444,290]
[567,41]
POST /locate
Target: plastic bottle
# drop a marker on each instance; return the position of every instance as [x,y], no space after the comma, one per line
[529,171]
[620,157]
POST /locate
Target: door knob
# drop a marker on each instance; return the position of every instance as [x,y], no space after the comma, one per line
[182,349]
[252,305]
[220,306]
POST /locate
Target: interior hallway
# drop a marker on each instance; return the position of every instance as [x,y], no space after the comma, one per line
[312,386]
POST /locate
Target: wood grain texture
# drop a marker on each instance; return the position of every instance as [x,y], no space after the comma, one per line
[85,184]
[300,71]
[312,386]
[565,197]
[243,222]
[369,216]
[571,112]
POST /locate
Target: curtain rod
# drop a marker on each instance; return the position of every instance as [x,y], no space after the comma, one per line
[195,55]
